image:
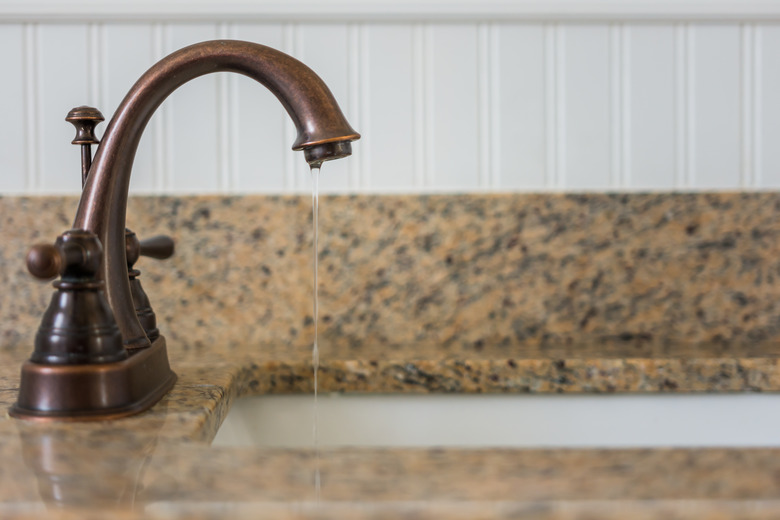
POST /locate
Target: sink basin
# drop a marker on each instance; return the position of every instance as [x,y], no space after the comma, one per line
[522,421]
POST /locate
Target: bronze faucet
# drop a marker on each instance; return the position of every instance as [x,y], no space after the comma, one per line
[84,369]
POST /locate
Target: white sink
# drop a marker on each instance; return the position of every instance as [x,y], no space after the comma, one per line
[608,421]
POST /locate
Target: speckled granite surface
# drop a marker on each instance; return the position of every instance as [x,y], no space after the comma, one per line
[463,273]
[477,293]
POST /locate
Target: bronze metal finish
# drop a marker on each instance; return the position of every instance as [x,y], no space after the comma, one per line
[44,261]
[85,119]
[98,360]
[104,203]
[95,392]
[160,247]
[78,327]
[318,154]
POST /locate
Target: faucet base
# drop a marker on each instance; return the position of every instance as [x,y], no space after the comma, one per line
[95,392]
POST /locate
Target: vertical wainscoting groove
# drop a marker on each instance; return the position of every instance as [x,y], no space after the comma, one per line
[166,141]
[616,104]
[484,58]
[689,105]
[559,171]
[625,106]
[495,107]
[681,104]
[757,108]
[429,176]
[365,173]
[747,65]
[103,65]
[225,131]
[160,152]
[620,106]
[33,123]
[233,114]
[550,104]
[94,58]
[356,45]
[420,134]
[291,45]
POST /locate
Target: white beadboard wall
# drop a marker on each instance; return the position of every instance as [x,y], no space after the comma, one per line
[446,100]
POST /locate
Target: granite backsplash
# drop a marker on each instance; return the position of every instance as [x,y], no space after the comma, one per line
[467,273]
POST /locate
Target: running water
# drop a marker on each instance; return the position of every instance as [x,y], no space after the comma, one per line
[315,353]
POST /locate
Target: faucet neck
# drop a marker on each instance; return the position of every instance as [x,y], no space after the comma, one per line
[103,205]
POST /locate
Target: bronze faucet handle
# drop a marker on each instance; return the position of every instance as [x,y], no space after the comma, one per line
[44,261]
[159,247]
[78,327]
[85,119]
[77,254]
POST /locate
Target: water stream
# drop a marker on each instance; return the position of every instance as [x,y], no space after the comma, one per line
[315,351]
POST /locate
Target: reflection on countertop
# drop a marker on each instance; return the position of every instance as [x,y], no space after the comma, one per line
[159,465]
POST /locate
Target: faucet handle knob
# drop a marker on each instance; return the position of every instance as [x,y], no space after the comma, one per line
[44,261]
[85,119]
[76,254]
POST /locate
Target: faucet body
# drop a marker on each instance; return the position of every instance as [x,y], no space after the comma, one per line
[322,131]
[116,375]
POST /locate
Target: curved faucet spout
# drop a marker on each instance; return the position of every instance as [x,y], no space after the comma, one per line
[323,134]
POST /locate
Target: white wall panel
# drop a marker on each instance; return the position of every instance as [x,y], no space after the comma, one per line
[453,98]
[122,64]
[588,107]
[443,104]
[651,57]
[715,55]
[769,107]
[194,131]
[388,116]
[14,131]
[63,76]
[258,146]
[523,90]
[325,48]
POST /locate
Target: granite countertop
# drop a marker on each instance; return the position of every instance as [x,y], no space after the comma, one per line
[159,464]
[658,293]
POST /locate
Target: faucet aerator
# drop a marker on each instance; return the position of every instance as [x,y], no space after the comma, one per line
[318,154]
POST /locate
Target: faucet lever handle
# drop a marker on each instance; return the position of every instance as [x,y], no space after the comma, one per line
[160,247]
